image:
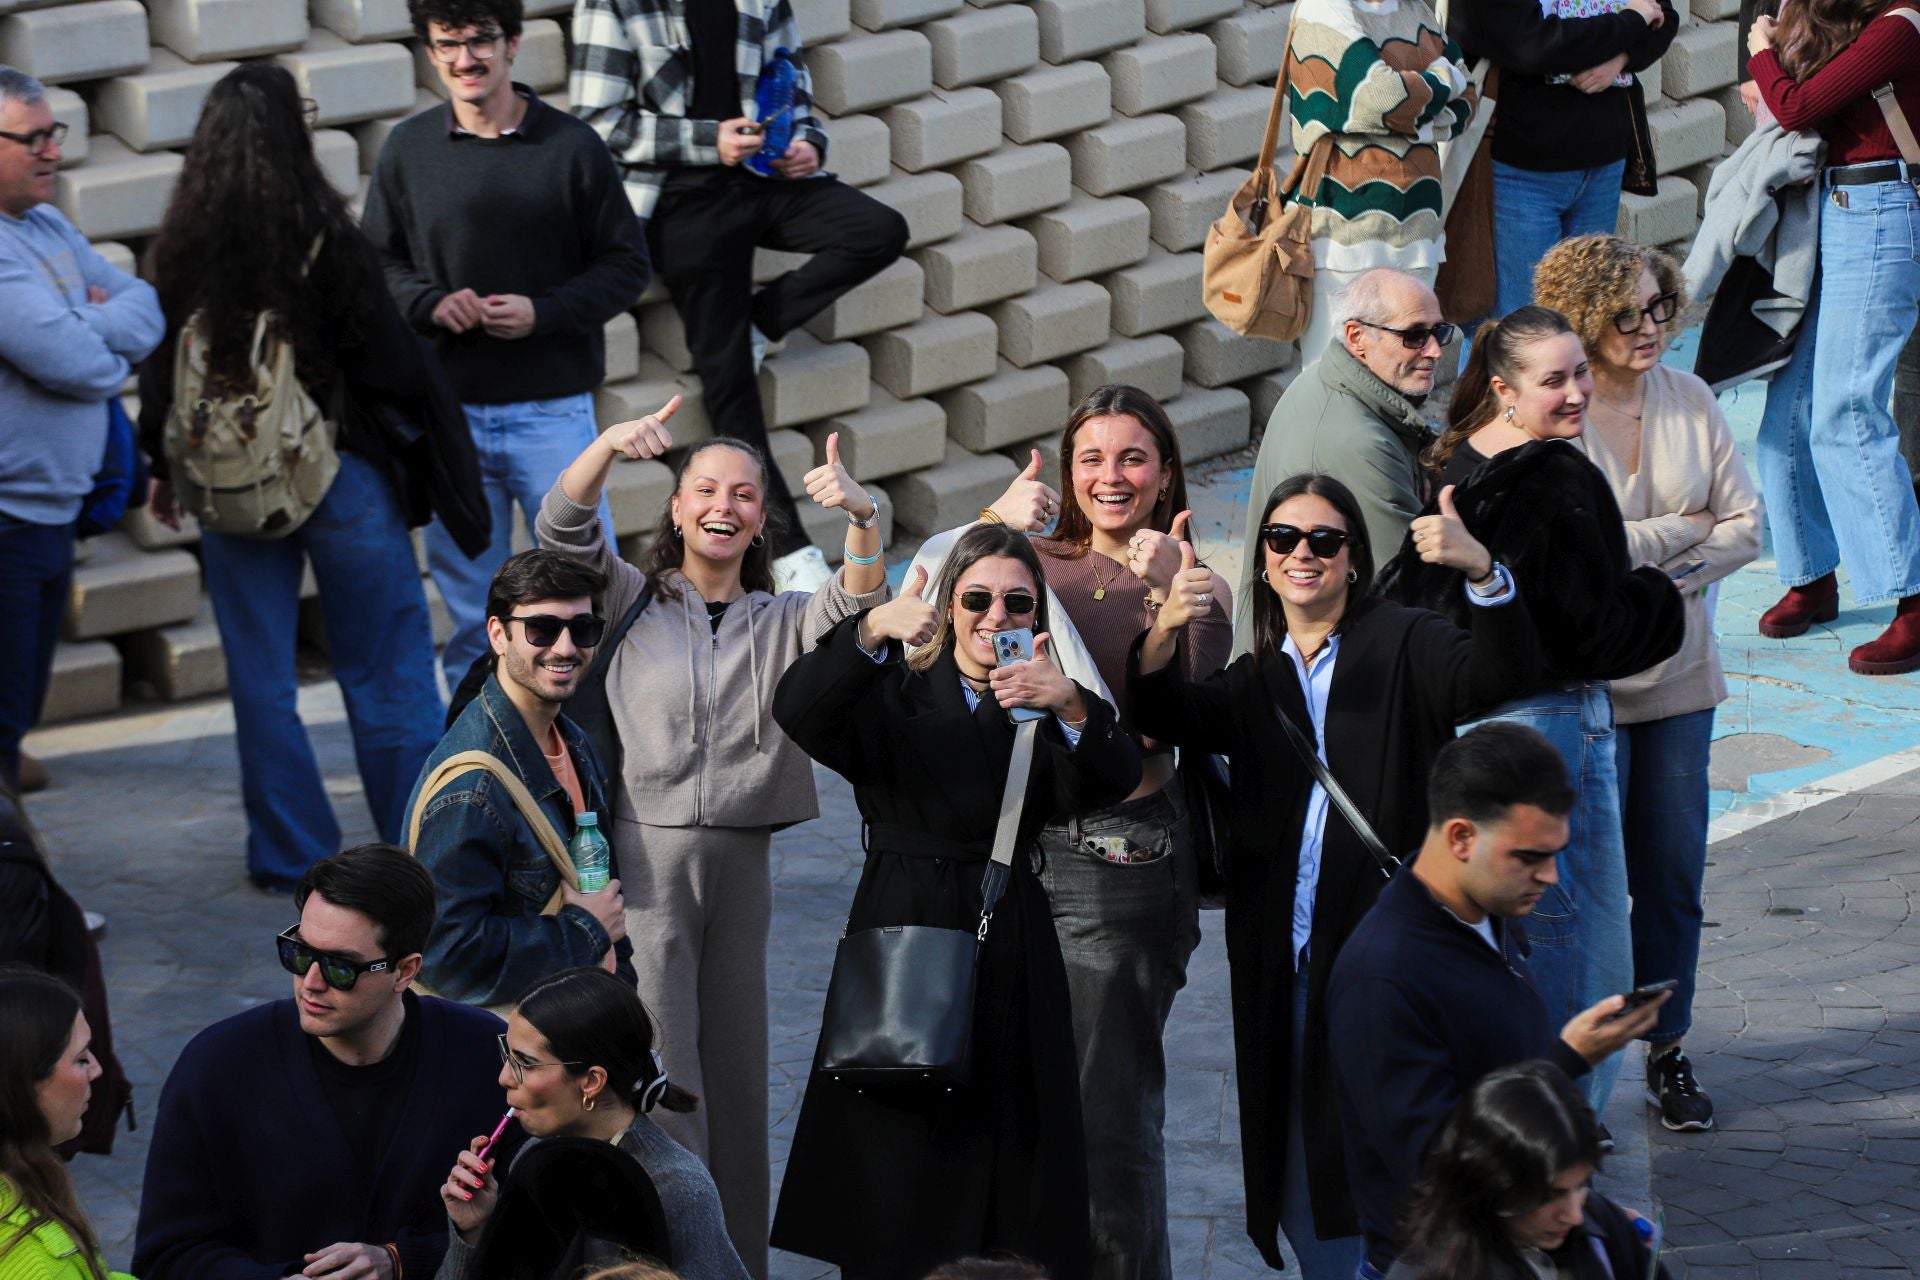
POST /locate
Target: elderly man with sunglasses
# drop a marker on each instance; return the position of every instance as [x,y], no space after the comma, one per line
[309,1136]
[509,916]
[1357,415]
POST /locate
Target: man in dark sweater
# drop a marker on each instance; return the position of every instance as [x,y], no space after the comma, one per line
[1431,991]
[310,1136]
[672,87]
[506,239]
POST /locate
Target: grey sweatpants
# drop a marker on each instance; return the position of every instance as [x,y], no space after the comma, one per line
[699,907]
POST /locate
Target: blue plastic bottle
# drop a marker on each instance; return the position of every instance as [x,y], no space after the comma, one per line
[773,108]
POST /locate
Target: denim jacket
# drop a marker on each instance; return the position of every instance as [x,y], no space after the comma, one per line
[490,873]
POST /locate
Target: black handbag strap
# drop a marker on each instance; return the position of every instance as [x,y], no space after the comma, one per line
[1338,794]
[1006,835]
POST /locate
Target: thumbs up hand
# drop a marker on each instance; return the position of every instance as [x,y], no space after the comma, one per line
[646,437]
[1154,557]
[1189,594]
[829,485]
[907,617]
[1029,504]
[1443,539]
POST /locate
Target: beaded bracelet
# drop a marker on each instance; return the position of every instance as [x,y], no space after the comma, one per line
[851,558]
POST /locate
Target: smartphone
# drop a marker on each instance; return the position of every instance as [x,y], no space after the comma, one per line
[1009,647]
[1643,995]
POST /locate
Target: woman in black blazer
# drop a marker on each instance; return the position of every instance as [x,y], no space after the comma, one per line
[1378,688]
[890,1182]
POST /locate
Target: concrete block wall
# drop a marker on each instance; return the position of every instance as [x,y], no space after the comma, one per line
[1058,163]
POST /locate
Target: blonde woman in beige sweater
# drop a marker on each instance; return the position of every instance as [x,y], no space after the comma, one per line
[705,774]
[1691,510]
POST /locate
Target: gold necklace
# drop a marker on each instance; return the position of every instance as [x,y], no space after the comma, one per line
[1099,587]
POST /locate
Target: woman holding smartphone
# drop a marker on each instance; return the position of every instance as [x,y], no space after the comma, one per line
[1377,689]
[888,1182]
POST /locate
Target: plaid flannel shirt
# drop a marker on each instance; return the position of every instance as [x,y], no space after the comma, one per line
[632,78]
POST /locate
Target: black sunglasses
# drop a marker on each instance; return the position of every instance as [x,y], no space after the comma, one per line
[1415,338]
[1281,539]
[1660,310]
[1019,603]
[543,629]
[37,142]
[296,957]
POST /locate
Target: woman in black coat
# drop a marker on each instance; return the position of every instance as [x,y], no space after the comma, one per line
[1379,688]
[887,1183]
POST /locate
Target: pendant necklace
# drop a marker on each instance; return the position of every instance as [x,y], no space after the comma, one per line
[1099,587]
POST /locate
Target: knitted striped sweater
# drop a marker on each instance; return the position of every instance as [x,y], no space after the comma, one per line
[1383,78]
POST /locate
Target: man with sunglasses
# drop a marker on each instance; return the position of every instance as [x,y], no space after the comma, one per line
[1357,415]
[71,327]
[501,926]
[309,1136]
[509,243]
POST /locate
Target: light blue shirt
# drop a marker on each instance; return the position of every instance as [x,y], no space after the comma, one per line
[1316,682]
[973,699]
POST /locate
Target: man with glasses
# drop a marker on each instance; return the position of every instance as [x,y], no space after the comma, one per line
[310,1136]
[71,328]
[507,240]
[1357,414]
[507,916]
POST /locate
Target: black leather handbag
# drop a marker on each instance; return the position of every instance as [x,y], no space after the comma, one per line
[900,1001]
[1203,782]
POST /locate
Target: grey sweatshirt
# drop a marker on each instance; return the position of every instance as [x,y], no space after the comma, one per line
[61,357]
[694,708]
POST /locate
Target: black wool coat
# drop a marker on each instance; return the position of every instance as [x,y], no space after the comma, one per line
[889,1183]
[1403,678]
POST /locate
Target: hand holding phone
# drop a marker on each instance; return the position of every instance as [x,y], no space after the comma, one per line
[1645,995]
[1011,647]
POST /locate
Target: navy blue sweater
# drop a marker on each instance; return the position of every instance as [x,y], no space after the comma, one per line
[1420,1007]
[248,1169]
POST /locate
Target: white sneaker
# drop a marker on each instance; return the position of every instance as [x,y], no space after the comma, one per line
[802,570]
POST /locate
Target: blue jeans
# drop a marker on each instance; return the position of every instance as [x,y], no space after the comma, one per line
[381,642]
[1318,1259]
[523,448]
[1663,805]
[1536,210]
[1837,486]
[1580,933]
[1126,931]
[36,571]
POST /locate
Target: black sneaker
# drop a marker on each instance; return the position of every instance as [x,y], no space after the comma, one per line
[1672,1088]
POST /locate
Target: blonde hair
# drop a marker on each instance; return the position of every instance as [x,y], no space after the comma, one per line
[633,1271]
[1592,279]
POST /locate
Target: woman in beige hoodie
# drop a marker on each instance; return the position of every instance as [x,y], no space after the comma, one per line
[706,776]
[1690,508]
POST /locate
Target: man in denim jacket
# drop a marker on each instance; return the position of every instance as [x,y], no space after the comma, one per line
[491,873]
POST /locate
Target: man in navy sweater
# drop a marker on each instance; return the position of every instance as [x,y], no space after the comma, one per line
[310,1136]
[1431,991]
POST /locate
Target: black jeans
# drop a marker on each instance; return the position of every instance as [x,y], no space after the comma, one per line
[703,234]
[36,571]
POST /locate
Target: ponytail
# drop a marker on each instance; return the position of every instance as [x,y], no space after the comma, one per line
[1497,348]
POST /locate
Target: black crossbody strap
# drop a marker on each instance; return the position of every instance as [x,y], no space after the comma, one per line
[1338,794]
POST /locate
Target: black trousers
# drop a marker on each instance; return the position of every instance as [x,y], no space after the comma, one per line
[703,233]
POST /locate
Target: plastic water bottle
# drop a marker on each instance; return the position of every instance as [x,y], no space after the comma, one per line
[592,855]
[773,108]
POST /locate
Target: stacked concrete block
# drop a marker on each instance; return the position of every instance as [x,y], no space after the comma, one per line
[339,159]
[1211,421]
[867,71]
[1216,355]
[1157,74]
[819,21]
[1152,363]
[622,338]
[352,82]
[1014,404]
[884,15]
[159,106]
[1701,59]
[1672,213]
[85,681]
[1016,181]
[1251,44]
[1164,16]
[636,491]
[362,21]
[826,527]
[117,192]
[1052,321]
[1158,294]
[930,202]
[943,128]
[893,297]
[1075,29]
[859,150]
[936,353]
[212,30]
[1183,210]
[121,588]
[812,380]
[1052,102]
[70,109]
[886,438]
[181,661]
[1127,154]
[952,493]
[1226,128]
[76,41]
[1090,236]
[979,266]
[1687,133]
[981,46]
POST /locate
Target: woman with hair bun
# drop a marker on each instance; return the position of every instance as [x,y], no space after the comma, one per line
[578,1061]
[1523,487]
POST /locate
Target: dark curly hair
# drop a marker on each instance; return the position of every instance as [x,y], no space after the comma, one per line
[457,15]
[250,208]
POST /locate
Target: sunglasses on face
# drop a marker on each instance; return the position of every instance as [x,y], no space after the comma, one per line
[1660,310]
[1417,337]
[340,973]
[1019,603]
[1281,539]
[543,629]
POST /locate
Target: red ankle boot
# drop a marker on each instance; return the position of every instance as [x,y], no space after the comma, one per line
[1801,607]
[1898,648]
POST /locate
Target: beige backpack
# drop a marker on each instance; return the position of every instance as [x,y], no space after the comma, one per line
[252,459]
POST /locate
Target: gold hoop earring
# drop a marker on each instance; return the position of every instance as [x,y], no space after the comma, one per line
[586,1101]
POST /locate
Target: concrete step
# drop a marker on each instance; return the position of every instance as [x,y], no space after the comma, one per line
[932,203]
[1225,127]
[1013,405]
[1210,421]
[178,662]
[943,129]
[951,493]
[637,489]
[895,296]
[1053,320]
[1153,364]
[1701,59]
[118,192]
[1127,154]
[158,107]
[351,82]
[213,30]
[867,71]
[978,266]
[76,41]
[1216,355]
[1016,181]
[1090,236]
[887,438]
[1050,102]
[1250,45]
[1182,210]
[933,354]
[1687,133]
[1157,294]
[982,46]
[120,588]
[85,681]
[1161,72]
[859,150]
[812,380]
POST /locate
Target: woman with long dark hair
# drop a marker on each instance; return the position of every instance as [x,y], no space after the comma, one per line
[1527,491]
[1506,1194]
[1121,881]
[1837,485]
[255,228]
[1376,689]
[888,1182]
[578,1061]
[47,1072]
[705,776]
